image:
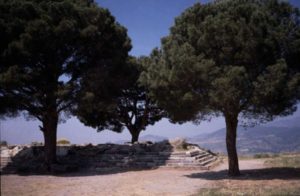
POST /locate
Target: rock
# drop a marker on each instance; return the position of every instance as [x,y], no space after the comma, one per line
[16,150]
[113,150]
[124,149]
[139,149]
[63,168]
[161,146]
[62,150]
[57,168]
[5,152]
[26,153]
[148,143]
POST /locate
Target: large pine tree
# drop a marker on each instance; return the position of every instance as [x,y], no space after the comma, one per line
[46,47]
[130,107]
[236,58]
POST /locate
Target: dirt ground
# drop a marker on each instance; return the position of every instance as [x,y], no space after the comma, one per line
[159,181]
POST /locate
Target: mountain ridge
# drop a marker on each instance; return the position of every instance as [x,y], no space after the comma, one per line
[259,139]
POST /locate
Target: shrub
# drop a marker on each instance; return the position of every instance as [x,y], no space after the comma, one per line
[262,155]
[3,143]
[179,144]
[37,143]
[63,142]
[292,161]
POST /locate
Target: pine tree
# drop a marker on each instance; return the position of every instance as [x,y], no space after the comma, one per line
[46,49]
[130,107]
[237,58]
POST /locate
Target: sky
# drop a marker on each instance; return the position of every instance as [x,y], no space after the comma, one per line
[147,21]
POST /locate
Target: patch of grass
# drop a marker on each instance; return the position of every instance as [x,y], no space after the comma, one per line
[245,157]
[265,155]
[270,191]
[285,161]
[179,144]
[262,155]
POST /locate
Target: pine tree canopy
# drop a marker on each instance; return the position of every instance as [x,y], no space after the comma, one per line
[229,57]
[47,45]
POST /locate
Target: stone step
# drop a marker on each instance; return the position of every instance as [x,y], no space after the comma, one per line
[151,158]
[204,158]
[130,160]
[162,155]
[144,157]
[9,167]
[180,161]
[184,165]
[160,161]
[117,156]
[197,167]
[180,158]
[152,153]
[193,153]
[146,163]
[181,154]
[213,163]
[208,161]
[5,161]
[167,153]
[201,155]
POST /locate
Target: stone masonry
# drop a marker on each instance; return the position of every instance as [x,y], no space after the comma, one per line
[107,156]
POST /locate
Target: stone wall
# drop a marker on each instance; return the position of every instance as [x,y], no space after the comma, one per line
[100,157]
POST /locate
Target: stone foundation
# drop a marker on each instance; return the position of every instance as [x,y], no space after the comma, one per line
[106,156]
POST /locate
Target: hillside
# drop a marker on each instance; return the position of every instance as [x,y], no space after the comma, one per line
[153,138]
[149,137]
[260,139]
[289,122]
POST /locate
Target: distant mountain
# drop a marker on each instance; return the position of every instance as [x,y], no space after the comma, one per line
[152,138]
[291,122]
[260,139]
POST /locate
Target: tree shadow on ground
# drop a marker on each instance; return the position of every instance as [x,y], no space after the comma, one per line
[282,173]
[91,160]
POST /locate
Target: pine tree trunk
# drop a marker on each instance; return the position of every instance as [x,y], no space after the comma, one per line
[231,129]
[135,133]
[50,134]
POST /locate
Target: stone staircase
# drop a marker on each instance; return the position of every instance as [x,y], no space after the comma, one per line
[194,159]
[7,155]
[6,163]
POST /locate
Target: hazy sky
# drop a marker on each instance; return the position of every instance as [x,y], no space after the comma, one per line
[147,22]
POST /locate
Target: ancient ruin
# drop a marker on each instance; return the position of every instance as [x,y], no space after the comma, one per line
[105,157]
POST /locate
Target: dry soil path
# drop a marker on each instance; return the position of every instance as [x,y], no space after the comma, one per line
[147,182]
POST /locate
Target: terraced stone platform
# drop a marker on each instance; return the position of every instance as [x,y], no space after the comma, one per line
[197,158]
[105,156]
